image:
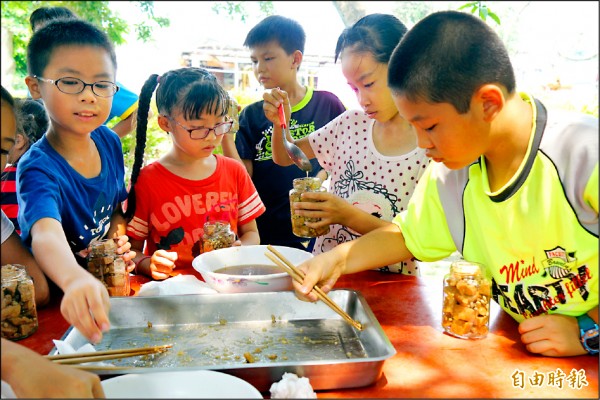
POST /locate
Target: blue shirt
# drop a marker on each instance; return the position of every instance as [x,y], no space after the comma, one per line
[48,187]
[124,102]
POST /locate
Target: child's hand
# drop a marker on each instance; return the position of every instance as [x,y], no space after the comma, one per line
[85,305]
[124,248]
[162,264]
[552,335]
[237,242]
[234,114]
[323,270]
[272,99]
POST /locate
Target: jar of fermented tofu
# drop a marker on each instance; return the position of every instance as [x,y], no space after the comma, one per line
[466,307]
[299,228]
[19,315]
[217,235]
[109,267]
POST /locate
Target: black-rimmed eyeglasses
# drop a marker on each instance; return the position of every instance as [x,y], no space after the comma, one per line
[70,85]
[202,132]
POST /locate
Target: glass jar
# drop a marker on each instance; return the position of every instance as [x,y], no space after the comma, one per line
[466,307]
[217,235]
[19,315]
[303,185]
[109,267]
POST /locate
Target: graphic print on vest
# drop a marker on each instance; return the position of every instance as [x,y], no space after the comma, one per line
[557,280]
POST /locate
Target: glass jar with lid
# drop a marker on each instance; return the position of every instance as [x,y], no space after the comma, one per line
[19,313]
[466,306]
[109,267]
[217,235]
[299,228]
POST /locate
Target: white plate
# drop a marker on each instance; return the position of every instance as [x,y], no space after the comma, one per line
[179,384]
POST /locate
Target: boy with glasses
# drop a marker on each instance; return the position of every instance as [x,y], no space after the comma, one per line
[71,182]
[125,102]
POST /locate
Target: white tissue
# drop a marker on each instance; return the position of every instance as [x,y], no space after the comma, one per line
[65,348]
[180,284]
[292,387]
[6,392]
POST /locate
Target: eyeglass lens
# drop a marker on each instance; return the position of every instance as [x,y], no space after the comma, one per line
[74,86]
[219,130]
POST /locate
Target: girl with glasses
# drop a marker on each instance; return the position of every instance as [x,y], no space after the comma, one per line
[172,198]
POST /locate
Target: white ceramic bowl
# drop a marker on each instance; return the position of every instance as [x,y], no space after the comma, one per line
[248,256]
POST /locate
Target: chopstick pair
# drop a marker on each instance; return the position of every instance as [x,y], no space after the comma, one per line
[298,276]
[93,356]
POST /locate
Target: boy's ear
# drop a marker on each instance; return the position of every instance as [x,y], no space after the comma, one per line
[20,141]
[492,101]
[297,59]
[34,87]
[163,123]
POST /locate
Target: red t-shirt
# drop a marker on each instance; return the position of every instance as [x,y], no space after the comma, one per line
[171,211]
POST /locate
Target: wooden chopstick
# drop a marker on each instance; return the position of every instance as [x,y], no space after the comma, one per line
[94,356]
[101,367]
[298,276]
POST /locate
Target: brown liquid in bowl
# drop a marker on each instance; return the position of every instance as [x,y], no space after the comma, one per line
[253,269]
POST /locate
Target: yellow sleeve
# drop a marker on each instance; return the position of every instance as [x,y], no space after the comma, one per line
[424,224]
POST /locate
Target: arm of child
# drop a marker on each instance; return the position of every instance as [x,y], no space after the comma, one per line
[332,209]
[85,303]
[118,229]
[158,266]
[126,125]
[15,252]
[32,376]
[554,335]
[228,142]
[229,149]
[248,234]
[383,246]
[272,98]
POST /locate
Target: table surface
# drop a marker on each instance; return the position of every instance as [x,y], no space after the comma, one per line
[428,362]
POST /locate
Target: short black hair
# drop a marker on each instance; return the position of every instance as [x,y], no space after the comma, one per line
[64,32]
[446,57]
[286,31]
[34,119]
[42,15]
[377,34]
[7,97]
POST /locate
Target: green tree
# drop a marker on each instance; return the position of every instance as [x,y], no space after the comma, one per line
[15,22]
[239,9]
[481,9]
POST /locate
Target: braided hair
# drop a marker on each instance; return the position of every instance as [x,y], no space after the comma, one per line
[191,91]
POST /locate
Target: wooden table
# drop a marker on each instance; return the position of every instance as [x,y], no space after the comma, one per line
[428,363]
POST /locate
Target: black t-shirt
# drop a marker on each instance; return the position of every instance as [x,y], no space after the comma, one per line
[274,182]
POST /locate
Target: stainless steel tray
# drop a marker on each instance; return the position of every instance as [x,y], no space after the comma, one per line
[282,333]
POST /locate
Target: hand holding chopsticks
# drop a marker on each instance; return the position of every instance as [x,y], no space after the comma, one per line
[93,356]
[298,276]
